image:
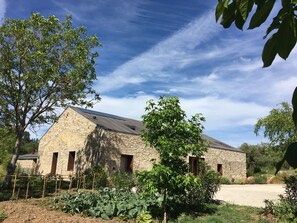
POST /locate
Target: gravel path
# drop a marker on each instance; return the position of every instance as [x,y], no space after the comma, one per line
[251,194]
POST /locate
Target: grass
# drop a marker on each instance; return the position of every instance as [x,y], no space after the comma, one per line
[225,213]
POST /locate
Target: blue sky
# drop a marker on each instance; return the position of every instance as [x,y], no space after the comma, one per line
[175,47]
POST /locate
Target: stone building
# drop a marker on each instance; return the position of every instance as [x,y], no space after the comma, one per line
[83,138]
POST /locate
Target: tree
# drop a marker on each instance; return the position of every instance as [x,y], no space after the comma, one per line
[174,137]
[282,41]
[7,139]
[44,64]
[260,158]
[278,127]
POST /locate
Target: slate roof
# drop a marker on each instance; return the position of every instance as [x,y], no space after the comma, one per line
[131,126]
[28,156]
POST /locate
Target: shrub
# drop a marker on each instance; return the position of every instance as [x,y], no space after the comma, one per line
[260,179]
[285,210]
[122,180]
[291,188]
[225,180]
[2,216]
[209,183]
[100,179]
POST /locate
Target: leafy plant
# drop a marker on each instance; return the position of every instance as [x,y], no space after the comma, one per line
[285,209]
[174,137]
[106,203]
[2,216]
[260,179]
[122,180]
[96,174]
[225,180]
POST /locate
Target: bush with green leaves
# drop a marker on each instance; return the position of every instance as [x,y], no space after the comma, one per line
[122,180]
[96,174]
[260,179]
[2,216]
[106,203]
[285,209]
[225,180]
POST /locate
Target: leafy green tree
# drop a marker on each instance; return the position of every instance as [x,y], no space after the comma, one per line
[174,137]
[278,127]
[7,140]
[282,30]
[44,64]
[260,158]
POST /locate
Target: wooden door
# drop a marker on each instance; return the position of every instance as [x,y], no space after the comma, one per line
[54,163]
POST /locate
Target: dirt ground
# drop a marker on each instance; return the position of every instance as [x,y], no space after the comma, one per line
[33,211]
[250,194]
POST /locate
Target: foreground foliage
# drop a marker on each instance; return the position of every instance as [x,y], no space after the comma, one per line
[282,30]
[2,216]
[107,203]
[285,209]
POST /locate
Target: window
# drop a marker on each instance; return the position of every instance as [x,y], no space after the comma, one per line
[220,169]
[71,158]
[195,164]
[54,163]
[127,164]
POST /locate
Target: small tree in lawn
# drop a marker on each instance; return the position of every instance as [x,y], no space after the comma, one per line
[174,137]
[44,64]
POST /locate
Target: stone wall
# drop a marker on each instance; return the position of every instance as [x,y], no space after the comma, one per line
[28,166]
[115,144]
[233,162]
[93,145]
[69,133]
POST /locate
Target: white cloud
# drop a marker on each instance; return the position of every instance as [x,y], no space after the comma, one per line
[222,114]
[173,52]
[2,10]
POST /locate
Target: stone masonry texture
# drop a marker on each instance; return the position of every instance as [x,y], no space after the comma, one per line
[93,145]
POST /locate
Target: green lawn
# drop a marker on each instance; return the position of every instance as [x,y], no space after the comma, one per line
[225,213]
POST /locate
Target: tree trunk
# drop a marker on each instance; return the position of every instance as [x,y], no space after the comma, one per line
[7,183]
[164,207]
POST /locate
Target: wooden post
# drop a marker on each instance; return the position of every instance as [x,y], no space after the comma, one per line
[28,185]
[56,186]
[60,181]
[84,182]
[18,193]
[77,182]
[14,184]
[93,183]
[44,186]
[70,184]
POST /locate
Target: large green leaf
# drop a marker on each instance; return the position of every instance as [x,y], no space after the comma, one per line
[229,15]
[287,37]
[261,14]
[245,6]
[290,156]
[219,9]
[294,103]
[239,21]
[270,50]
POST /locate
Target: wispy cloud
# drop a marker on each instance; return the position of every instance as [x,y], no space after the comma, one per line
[112,16]
[171,53]
[221,114]
[2,10]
